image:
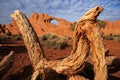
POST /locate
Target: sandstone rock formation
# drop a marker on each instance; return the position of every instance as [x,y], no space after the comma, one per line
[112,28]
[12,27]
[42,24]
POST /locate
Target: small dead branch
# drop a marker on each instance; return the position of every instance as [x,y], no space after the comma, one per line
[6,63]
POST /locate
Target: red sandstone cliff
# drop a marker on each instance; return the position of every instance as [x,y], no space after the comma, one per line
[42,25]
[112,28]
[12,27]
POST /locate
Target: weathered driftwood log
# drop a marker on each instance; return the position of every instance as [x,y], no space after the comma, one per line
[88,22]
[87,40]
[6,63]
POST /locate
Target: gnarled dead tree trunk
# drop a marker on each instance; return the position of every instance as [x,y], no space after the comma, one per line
[87,40]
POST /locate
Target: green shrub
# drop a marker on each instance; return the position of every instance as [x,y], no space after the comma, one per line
[108,37]
[16,37]
[67,39]
[61,43]
[49,36]
[112,37]
[7,38]
[117,38]
[51,40]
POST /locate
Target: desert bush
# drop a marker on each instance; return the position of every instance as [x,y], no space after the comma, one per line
[49,36]
[2,38]
[7,38]
[68,39]
[53,41]
[72,27]
[109,37]
[16,37]
[117,38]
[62,43]
[112,37]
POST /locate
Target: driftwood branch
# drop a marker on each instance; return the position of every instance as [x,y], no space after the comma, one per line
[29,36]
[87,40]
[6,63]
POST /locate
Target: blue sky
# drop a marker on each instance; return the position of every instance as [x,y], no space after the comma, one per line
[70,10]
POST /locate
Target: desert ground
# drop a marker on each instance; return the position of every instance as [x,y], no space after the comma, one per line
[21,68]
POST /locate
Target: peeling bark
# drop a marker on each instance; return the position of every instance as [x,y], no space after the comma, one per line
[87,40]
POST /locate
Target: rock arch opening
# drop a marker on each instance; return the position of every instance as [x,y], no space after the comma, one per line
[55,22]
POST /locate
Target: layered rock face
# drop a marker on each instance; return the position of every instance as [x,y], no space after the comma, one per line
[42,24]
[112,28]
[12,27]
